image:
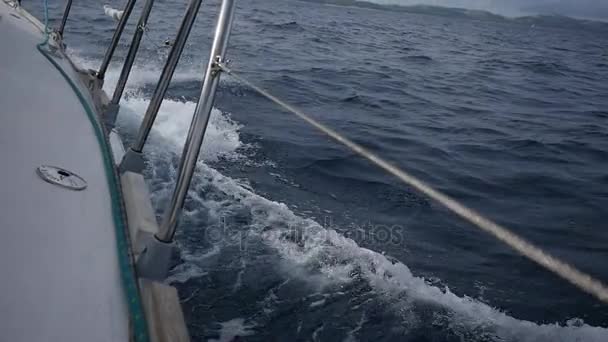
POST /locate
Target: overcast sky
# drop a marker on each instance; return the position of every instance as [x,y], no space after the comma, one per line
[577,8]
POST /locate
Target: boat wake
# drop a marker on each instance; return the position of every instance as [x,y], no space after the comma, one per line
[305,250]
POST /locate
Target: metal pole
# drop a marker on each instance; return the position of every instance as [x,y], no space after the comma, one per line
[115,39]
[199,122]
[167,74]
[126,68]
[66,12]
[133,160]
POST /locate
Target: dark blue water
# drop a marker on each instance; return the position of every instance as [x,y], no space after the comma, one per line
[287,236]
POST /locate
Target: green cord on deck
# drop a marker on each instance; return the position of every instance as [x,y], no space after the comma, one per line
[129,282]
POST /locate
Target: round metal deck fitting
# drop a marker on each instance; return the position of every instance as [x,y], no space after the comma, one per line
[62,177]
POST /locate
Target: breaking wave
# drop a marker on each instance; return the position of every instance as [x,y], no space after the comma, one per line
[317,254]
[337,259]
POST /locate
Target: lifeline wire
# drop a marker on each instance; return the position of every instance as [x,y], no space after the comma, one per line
[578,278]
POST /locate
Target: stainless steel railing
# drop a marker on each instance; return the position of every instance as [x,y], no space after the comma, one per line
[64,19]
[133,160]
[112,109]
[154,261]
[199,121]
[133,49]
[115,39]
[113,106]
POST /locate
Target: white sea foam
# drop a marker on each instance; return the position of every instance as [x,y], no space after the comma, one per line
[351,335]
[192,267]
[174,117]
[139,76]
[233,328]
[172,123]
[337,258]
[239,276]
[320,302]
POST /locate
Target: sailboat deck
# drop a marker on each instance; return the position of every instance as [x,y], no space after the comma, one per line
[58,254]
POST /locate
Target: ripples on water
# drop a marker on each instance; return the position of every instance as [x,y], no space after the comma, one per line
[507,116]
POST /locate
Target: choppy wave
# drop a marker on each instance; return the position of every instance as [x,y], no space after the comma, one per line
[335,258]
[232,329]
[318,254]
[221,141]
